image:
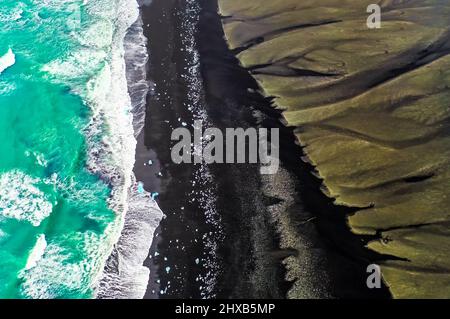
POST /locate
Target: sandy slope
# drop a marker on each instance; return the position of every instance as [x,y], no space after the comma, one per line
[372,111]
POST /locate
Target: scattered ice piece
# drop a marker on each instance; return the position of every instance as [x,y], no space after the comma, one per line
[156,254]
[197,261]
[140,188]
[165,258]
[158,281]
[160,174]
[167,269]
[184,123]
[150,162]
[161,292]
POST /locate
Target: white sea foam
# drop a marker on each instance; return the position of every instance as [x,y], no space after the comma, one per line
[58,272]
[136,63]
[39,157]
[21,199]
[10,15]
[98,35]
[97,73]
[3,235]
[79,65]
[7,60]
[37,252]
[124,275]
[7,88]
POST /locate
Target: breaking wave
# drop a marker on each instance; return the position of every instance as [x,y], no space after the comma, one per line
[7,60]
[108,264]
[125,276]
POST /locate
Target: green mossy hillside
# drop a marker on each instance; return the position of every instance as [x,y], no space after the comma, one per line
[371,108]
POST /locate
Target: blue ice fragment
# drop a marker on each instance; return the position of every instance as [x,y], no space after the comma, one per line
[140,188]
[154,195]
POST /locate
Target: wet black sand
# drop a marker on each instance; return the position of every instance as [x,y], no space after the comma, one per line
[219,238]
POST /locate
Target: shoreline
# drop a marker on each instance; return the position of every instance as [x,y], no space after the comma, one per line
[379,153]
[192,270]
[307,224]
[345,254]
[182,260]
[259,217]
[124,274]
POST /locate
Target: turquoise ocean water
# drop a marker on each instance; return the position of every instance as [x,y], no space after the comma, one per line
[66,143]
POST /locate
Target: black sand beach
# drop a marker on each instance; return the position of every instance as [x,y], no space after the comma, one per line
[228,229]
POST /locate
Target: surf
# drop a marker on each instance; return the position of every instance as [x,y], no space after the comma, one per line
[7,60]
[79,204]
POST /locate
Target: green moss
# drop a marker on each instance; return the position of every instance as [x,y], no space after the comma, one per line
[372,108]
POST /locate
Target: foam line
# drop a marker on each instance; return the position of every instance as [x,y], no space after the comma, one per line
[7,60]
